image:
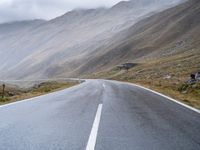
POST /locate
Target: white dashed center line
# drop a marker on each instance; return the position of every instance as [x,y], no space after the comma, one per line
[93,135]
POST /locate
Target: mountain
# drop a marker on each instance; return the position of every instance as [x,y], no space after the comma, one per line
[166,34]
[68,45]
[165,50]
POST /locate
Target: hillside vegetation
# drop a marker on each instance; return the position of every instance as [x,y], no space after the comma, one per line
[166,47]
[15,93]
[167,75]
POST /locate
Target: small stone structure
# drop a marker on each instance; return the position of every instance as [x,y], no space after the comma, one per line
[126,66]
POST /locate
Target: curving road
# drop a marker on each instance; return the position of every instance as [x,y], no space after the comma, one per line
[107,115]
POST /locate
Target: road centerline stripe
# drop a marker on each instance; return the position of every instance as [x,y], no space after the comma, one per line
[93,135]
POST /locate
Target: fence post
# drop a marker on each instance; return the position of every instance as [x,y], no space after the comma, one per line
[3,92]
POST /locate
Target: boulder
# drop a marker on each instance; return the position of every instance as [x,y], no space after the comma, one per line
[197,76]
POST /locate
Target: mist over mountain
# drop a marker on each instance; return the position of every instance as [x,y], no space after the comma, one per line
[68,45]
[172,32]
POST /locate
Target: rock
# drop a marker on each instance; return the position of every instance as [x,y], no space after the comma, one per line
[194,86]
[191,81]
[179,65]
[184,92]
[197,76]
[11,94]
[167,77]
[126,66]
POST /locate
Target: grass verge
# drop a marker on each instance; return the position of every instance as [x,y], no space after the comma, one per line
[166,75]
[14,93]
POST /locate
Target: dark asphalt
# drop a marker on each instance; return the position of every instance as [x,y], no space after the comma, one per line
[132,119]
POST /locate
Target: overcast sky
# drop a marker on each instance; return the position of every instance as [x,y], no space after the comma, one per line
[11,10]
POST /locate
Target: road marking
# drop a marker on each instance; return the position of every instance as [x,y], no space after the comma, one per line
[104,86]
[36,97]
[162,95]
[169,98]
[18,102]
[93,135]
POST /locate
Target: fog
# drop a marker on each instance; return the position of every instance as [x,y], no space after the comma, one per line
[12,10]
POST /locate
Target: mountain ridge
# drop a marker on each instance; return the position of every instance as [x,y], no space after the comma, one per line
[176,32]
[65,43]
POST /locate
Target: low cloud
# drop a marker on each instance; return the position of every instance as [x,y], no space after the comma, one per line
[12,10]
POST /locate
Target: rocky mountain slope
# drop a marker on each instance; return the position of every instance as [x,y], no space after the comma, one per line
[77,43]
[164,34]
[166,50]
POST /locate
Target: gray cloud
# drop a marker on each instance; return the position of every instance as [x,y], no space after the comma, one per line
[11,10]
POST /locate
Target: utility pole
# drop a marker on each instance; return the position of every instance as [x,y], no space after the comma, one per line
[3,92]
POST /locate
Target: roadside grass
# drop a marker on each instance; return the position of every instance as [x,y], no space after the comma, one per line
[166,75]
[16,94]
[5,99]
[190,96]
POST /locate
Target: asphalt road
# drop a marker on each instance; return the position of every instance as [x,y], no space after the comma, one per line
[106,114]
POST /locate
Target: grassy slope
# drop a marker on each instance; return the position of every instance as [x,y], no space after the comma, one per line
[167,33]
[166,47]
[41,89]
[166,75]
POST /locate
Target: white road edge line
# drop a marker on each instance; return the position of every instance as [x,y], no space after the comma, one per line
[33,98]
[18,102]
[169,98]
[93,135]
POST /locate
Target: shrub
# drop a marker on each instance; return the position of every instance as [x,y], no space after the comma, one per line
[5,99]
[183,87]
